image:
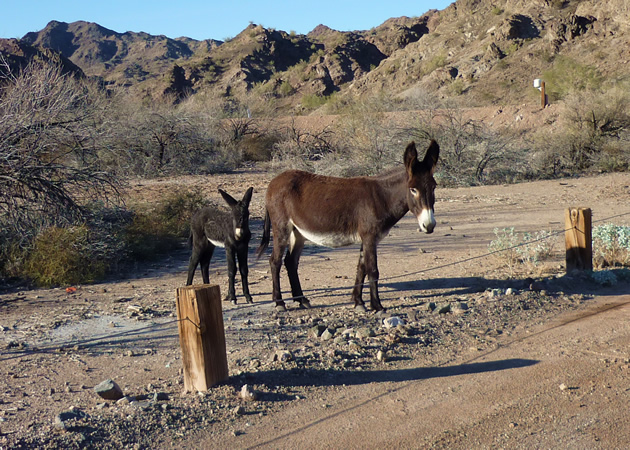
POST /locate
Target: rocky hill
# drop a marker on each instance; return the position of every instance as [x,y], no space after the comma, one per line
[483,52]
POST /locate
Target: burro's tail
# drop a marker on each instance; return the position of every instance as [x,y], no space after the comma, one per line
[264,243]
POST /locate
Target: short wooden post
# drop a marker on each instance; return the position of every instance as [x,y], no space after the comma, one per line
[201,336]
[578,239]
[543,96]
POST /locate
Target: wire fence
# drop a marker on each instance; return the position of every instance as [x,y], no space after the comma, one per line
[313,293]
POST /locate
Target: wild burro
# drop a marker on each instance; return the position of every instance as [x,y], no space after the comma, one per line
[335,212]
[214,227]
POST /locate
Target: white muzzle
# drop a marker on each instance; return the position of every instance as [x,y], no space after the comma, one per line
[426,221]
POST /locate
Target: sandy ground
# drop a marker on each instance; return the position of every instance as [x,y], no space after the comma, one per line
[554,376]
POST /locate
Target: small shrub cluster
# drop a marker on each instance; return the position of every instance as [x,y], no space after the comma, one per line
[110,240]
[161,228]
[611,245]
[66,256]
[514,249]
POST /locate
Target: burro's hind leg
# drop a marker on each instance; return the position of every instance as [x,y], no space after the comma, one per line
[371,269]
[357,291]
[275,263]
[291,262]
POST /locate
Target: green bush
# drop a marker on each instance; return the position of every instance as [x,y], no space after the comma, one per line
[161,228]
[611,245]
[63,256]
[314,101]
[527,249]
[568,75]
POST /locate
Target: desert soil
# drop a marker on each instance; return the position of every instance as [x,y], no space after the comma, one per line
[482,359]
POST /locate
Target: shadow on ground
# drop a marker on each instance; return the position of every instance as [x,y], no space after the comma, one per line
[318,377]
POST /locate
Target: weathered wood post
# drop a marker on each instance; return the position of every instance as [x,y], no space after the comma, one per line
[201,336]
[578,239]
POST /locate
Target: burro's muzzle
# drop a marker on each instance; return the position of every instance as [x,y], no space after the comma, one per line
[426,221]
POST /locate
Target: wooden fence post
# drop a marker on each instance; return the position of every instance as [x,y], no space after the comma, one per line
[578,239]
[201,336]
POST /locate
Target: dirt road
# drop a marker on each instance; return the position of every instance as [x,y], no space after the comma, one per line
[564,384]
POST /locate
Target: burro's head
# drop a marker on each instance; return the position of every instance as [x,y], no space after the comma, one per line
[240,212]
[421,184]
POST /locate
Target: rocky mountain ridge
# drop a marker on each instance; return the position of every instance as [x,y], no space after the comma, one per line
[486,53]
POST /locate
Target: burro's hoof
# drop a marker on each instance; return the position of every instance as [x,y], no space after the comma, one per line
[250,301]
[233,301]
[280,307]
[305,304]
[360,308]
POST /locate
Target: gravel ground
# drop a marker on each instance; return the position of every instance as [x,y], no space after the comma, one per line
[57,344]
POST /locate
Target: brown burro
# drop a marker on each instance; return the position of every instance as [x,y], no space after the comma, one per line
[336,212]
[212,227]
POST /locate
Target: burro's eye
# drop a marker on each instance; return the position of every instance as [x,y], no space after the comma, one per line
[413,191]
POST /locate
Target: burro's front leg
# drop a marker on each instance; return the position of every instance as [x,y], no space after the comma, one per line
[371,269]
[241,253]
[230,255]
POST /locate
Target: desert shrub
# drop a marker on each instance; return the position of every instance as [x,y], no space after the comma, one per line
[160,228]
[536,248]
[594,133]
[314,101]
[371,141]
[285,89]
[160,138]
[51,128]
[503,247]
[513,249]
[604,277]
[568,75]
[69,253]
[436,62]
[471,153]
[63,256]
[301,149]
[611,245]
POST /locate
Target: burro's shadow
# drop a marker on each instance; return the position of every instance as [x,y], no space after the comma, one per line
[319,377]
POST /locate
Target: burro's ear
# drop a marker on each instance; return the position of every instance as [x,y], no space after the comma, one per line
[411,156]
[432,155]
[227,197]
[248,196]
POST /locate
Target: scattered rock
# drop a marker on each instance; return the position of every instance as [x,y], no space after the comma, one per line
[316,331]
[109,390]
[459,308]
[328,334]
[393,322]
[283,356]
[125,400]
[363,333]
[62,420]
[160,396]
[247,393]
[443,309]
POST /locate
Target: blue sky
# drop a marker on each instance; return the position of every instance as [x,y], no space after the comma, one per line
[207,19]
